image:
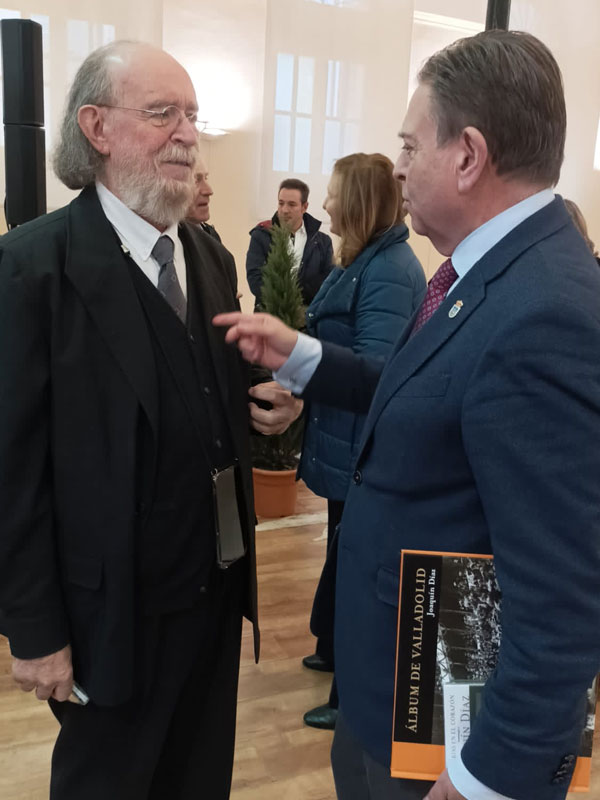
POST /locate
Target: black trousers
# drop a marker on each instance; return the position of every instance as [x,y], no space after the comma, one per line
[359,777]
[175,739]
[335,509]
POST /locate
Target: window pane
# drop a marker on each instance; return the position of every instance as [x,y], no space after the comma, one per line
[306,75]
[333,89]
[350,138]
[331,145]
[354,91]
[78,44]
[302,145]
[108,34]
[285,82]
[47,119]
[78,38]
[44,21]
[281,143]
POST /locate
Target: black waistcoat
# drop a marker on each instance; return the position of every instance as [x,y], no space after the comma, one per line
[176,541]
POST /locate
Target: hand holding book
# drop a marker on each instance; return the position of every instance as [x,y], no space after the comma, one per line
[443,789]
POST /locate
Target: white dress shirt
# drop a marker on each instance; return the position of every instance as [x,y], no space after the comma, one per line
[297,245]
[307,353]
[138,237]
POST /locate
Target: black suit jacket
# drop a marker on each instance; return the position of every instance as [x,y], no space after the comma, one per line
[77,372]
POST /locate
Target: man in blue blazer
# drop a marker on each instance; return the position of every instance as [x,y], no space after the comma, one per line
[483,434]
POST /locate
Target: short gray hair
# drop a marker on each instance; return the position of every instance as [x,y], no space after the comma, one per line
[508,85]
[76,163]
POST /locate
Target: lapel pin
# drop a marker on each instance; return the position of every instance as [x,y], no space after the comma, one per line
[455,309]
[124,249]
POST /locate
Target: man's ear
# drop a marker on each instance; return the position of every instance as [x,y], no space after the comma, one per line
[304,207]
[472,157]
[91,122]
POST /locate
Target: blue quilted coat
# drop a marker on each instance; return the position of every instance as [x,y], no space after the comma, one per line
[364,307]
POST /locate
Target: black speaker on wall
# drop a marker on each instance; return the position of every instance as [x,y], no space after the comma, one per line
[498,15]
[24,136]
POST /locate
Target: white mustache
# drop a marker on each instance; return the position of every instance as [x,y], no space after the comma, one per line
[179,154]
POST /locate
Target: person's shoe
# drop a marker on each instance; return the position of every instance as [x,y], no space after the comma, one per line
[321,717]
[317,662]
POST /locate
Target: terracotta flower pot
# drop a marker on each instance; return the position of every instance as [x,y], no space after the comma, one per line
[275,492]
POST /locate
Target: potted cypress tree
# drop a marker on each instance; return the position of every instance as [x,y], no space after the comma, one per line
[275,458]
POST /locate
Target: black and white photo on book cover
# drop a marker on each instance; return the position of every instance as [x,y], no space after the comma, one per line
[449,631]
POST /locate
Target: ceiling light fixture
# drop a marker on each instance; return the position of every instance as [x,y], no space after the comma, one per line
[207,130]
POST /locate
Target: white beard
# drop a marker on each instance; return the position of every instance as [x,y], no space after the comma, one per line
[144,189]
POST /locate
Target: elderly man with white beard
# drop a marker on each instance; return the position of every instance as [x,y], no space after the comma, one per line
[124,423]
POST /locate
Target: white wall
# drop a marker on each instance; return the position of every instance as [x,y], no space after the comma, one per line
[573,36]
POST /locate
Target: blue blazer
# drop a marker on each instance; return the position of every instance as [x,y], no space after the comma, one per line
[484,436]
[364,307]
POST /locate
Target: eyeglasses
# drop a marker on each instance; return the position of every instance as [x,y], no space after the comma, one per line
[169,117]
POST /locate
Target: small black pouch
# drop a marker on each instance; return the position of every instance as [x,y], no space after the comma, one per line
[228,525]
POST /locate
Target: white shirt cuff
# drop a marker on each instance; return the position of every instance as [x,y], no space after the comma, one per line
[301,365]
[468,785]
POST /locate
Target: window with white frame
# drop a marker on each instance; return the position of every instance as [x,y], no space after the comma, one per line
[292,127]
[329,127]
[343,105]
[82,38]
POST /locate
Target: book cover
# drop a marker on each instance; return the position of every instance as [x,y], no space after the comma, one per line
[449,634]
[462,702]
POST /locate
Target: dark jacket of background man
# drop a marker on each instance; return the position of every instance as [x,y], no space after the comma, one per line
[316,264]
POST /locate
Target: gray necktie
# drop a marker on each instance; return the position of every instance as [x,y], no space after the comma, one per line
[168,285]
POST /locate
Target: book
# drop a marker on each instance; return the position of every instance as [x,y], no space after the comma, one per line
[462,701]
[449,636]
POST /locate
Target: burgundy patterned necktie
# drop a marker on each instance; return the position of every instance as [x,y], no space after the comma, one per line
[436,292]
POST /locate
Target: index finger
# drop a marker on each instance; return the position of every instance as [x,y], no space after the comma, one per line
[229,318]
[268,391]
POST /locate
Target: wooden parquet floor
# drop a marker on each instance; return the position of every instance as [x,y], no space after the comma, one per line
[277,756]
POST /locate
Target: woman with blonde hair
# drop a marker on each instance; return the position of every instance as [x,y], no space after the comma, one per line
[364,304]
